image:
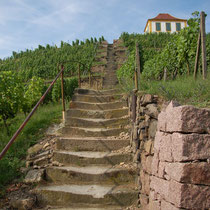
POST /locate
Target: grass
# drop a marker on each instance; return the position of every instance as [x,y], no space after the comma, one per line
[184,89]
[11,163]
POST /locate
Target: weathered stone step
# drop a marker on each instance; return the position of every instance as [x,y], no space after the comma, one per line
[90,175]
[84,158]
[97,123]
[96,92]
[91,144]
[106,114]
[96,99]
[92,132]
[68,195]
[98,106]
[89,207]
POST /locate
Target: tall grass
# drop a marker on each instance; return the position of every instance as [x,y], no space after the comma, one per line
[184,89]
[34,130]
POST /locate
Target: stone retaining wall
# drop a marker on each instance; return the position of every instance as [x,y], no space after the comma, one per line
[172,150]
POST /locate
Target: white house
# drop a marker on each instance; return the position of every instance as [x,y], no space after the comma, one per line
[165,23]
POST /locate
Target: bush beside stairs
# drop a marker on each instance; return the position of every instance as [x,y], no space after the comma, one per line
[92,152]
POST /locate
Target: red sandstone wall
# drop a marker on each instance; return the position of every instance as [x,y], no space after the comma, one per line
[180,166]
[172,152]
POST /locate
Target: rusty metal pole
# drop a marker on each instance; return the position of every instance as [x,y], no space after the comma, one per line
[62,93]
[28,118]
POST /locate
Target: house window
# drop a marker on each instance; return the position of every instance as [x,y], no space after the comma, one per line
[178,26]
[158,27]
[168,26]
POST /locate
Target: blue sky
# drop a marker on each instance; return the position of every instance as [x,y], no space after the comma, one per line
[24,24]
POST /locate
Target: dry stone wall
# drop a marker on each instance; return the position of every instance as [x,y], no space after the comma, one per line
[172,150]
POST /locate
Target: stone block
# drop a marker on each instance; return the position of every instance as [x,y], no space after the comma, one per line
[148,166]
[185,119]
[145,182]
[148,146]
[34,176]
[187,147]
[144,200]
[163,146]
[152,129]
[182,147]
[154,205]
[168,206]
[155,164]
[189,196]
[146,99]
[192,173]
[35,149]
[152,110]
[160,186]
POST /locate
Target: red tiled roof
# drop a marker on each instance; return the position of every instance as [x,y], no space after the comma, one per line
[165,16]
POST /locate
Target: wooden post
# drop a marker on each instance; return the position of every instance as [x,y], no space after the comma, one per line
[165,74]
[89,79]
[62,93]
[134,99]
[136,79]
[197,55]
[138,66]
[79,77]
[203,44]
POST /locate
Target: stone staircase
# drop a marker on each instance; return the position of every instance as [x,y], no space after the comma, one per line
[110,79]
[96,170]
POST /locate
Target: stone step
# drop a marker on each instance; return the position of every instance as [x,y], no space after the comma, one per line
[96,114]
[98,106]
[89,207]
[96,99]
[96,92]
[84,158]
[90,144]
[68,195]
[92,132]
[97,123]
[97,174]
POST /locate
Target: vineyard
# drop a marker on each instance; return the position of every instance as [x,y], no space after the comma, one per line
[42,61]
[174,53]
[24,77]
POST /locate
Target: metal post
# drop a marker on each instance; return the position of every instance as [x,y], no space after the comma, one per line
[62,93]
[28,118]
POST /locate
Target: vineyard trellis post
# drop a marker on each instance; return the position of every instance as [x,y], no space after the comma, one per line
[138,68]
[79,77]
[197,55]
[62,93]
[201,44]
